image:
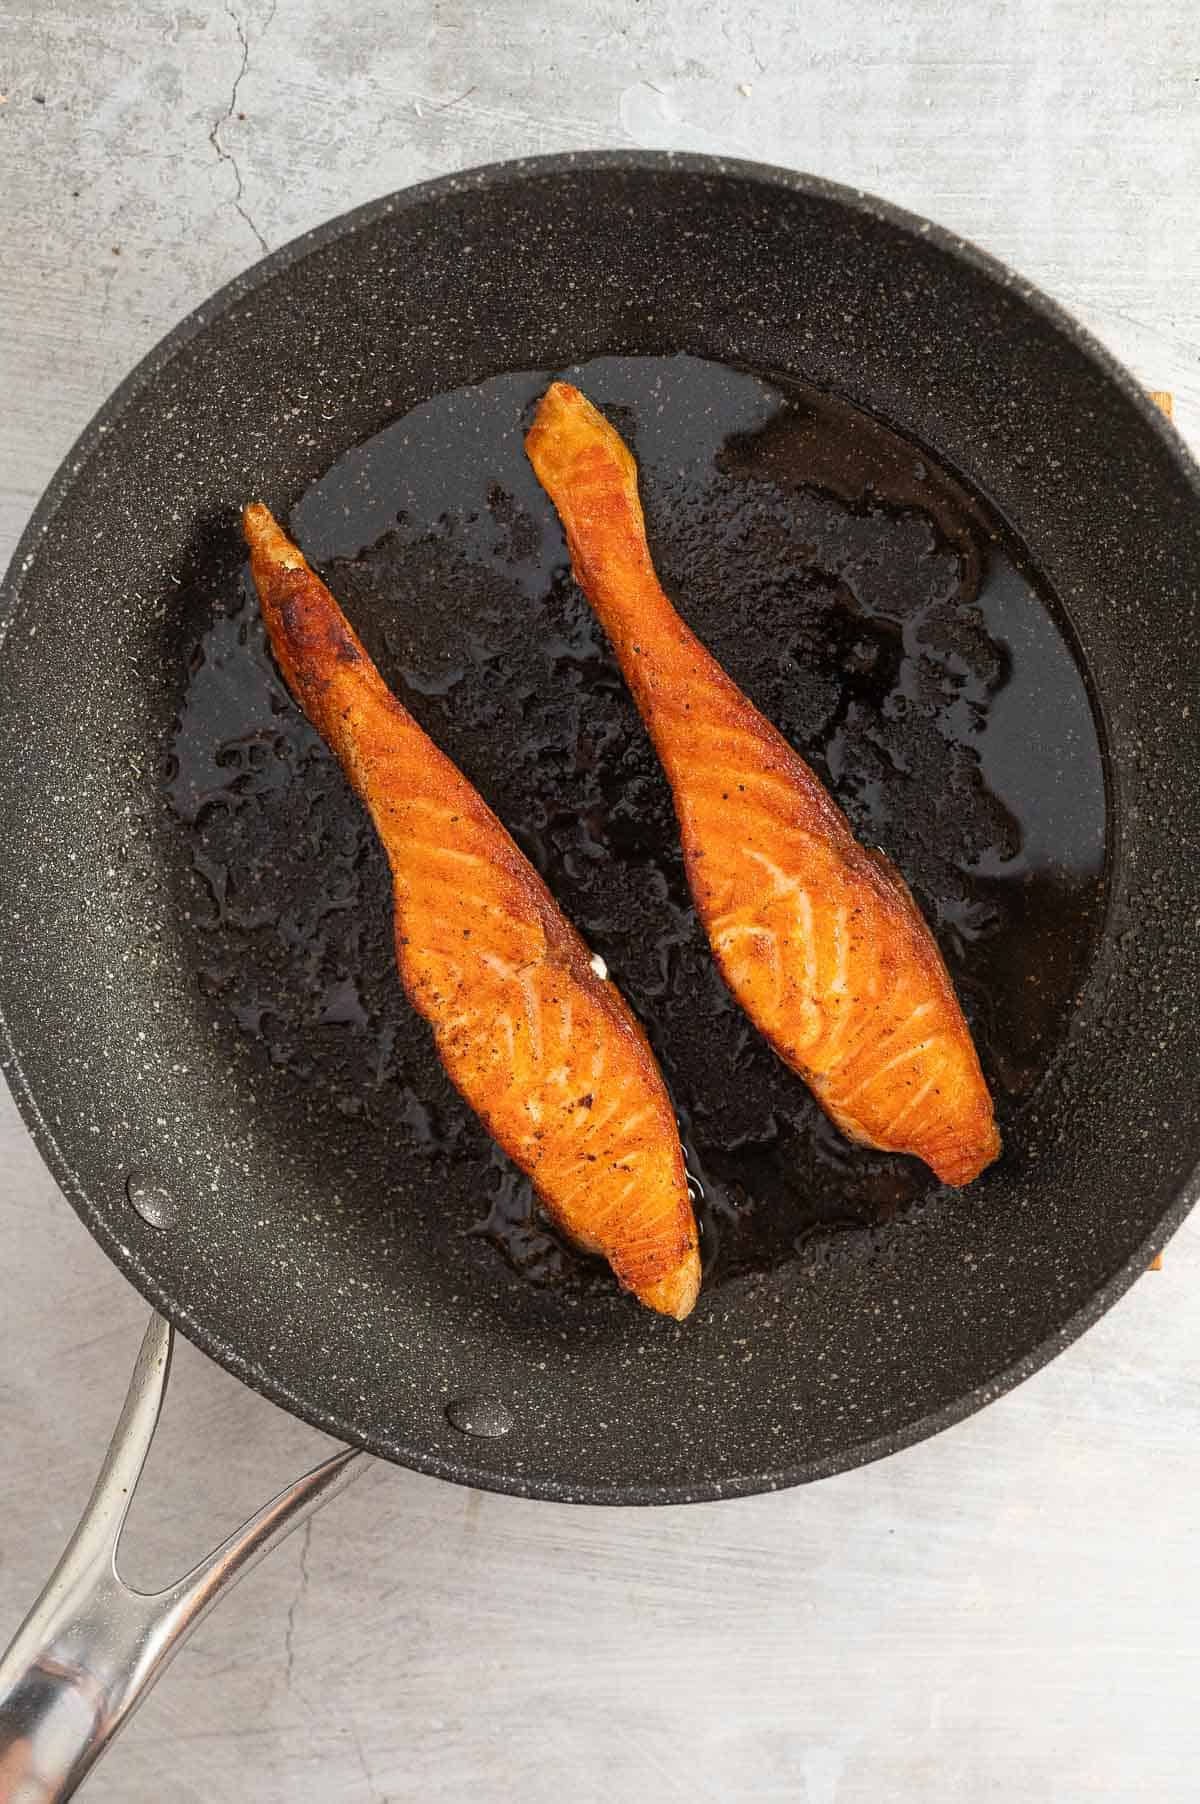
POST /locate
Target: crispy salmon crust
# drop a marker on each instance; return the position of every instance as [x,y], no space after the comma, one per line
[546,1052]
[817,937]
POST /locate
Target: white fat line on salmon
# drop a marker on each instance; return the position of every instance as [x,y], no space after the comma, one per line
[906,1056]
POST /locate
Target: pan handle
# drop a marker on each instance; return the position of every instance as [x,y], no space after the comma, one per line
[91,1647]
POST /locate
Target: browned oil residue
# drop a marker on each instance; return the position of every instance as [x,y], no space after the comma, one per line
[865,600]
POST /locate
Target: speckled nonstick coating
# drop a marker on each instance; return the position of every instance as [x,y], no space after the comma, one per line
[356,1317]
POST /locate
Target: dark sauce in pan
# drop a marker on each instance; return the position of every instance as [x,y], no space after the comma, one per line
[874,609]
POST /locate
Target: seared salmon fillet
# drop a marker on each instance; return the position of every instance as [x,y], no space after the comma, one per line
[817,937]
[546,1051]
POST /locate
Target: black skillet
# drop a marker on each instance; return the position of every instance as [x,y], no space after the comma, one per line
[981,631]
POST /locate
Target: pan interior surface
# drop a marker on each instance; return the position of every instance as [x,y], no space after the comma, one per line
[196,978]
[861,596]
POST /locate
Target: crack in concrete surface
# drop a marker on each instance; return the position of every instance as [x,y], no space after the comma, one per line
[289,1632]
[214,136]
[377,1797]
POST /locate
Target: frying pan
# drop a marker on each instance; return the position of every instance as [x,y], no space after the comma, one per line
[327,1261]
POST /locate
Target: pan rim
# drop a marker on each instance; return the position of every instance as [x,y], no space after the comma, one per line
[422,1458]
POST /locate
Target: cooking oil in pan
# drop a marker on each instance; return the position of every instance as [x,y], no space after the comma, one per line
[871,606]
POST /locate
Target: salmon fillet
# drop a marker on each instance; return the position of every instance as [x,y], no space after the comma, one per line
[817,937]
[546,1052]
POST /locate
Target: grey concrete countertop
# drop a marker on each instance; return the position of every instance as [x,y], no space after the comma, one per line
[1006,1613]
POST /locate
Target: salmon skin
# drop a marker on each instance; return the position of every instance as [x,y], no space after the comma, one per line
[817,937]
[546,1051]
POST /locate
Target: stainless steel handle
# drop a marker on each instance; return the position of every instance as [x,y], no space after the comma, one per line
[91,1647]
